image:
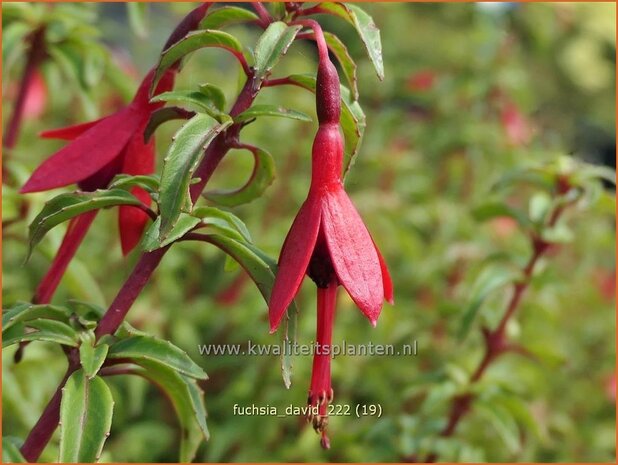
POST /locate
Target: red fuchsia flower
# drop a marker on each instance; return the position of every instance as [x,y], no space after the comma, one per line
[328,241]
[98,151]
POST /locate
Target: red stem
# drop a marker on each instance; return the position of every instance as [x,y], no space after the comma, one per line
[35,56]
[260,9]
[114,316]
[496,342]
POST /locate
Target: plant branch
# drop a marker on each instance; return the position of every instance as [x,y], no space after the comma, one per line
[496,342]
[35,57]
[260,9]
[42,432]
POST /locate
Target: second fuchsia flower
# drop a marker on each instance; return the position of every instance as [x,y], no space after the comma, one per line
[329,242]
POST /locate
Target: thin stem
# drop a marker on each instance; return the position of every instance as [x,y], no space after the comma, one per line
[35,57]
[496,342]
[318,33]
[260,9]
[42,432]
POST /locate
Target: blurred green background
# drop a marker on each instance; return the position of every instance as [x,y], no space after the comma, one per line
[472,92]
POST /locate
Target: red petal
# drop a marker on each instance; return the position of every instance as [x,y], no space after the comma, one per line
[294,259]
[69,132]
[78,227]
[353,254]
[139,159]
[387,282]
[88,153]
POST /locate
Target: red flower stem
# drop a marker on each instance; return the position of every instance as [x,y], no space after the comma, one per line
[319,36]
[496,342]
[260,9]
[35,57]
[43,430]
[78,227]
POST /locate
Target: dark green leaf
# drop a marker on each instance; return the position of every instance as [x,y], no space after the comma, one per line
[180,162]
[272,45]
[10,450]
[66,206]
[26,311]
[85,418]
[270,110]
[261,177]
[193,41]
[157,351]
[225,16]
[163,115]
[364,25]
[40,330]
[347,63]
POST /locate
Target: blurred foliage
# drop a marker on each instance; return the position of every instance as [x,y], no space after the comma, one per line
[472,93]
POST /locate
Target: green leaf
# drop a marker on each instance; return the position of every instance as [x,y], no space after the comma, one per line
[163,115]
[10,450]
[137,12]
[225,16]
[271,46]
[195,99]
[347,63]
[531,176]
[13,43]
[261,177]
[364,25]
[187,400]
[149,183]
[503,424]
[180,162]
[231,221]
[26,311]
[183,225]
[352,118]
[490,279]
[85,418]
[496,209]
[270,110]
[91,355]
[40,330]
[193,41]
[95,60]
[214,94]
[66,206]
[157,351]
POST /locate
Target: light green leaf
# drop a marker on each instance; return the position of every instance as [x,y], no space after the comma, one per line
[270,110]
[85,418]
[183,225]
[25,311]
[347,63]
[180,162]
[137,12]
[198,100]
[10,450]
[157,351]
[91,355]
[496,209]
[149,183]
[261,177]
[271,46]
[209,214]
[364,25]
[187,399]
[225,16]
[193,41]
[214,94]
[66,206]
[40,330]
[489,280]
